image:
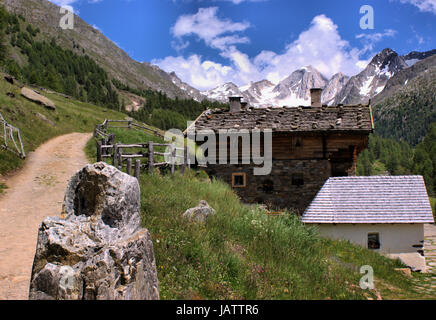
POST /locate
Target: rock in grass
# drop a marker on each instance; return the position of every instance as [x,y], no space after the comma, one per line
[99,251]
[200,213]
[44,118]
[37,98]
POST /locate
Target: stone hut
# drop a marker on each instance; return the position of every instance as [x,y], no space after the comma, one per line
[309,145]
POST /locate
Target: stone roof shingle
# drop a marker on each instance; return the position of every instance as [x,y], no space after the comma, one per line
[376,199]
[291,119]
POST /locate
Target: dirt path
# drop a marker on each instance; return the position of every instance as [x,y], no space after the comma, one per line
[36,192]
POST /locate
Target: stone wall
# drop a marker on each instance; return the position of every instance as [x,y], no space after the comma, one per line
[282,187]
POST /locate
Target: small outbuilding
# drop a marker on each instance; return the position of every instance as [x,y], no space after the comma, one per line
[382,213]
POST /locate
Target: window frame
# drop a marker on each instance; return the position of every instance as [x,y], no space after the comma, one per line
[244,179]
[378,238]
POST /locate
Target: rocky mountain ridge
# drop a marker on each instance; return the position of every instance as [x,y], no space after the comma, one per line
[340,89]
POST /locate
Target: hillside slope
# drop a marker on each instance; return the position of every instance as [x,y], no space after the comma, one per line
[408,113]
[400,80]
[86,39]
[38,124]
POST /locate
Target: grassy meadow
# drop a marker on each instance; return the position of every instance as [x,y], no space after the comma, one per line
[244,253]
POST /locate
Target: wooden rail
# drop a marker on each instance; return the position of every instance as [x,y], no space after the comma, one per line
[117,153]
[101,129]
[120,158]
[12,134]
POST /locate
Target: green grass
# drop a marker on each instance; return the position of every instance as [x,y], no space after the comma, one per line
[69,116]
[241,253]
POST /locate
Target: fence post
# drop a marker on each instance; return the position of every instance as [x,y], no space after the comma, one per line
[173,159]
[99,151]
[103,150]
[111,141]
[115,156]
[137,169]
[129,166]
[150,157]
[130,124]
[120,160]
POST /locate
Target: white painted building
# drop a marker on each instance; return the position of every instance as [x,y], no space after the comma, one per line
[382,213]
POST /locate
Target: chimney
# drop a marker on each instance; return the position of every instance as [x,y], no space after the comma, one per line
[315,95]
[235,104]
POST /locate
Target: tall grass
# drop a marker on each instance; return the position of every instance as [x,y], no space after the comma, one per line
[242,253]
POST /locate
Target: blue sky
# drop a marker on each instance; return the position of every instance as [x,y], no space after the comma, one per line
[209,42]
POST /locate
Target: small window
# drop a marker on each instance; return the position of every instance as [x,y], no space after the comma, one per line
[239,180]
[297,179]
[373,241]
[298,142]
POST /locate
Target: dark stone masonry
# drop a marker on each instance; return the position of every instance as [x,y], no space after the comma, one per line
[292,184]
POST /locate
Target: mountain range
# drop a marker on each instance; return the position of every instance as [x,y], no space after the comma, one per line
[384,69]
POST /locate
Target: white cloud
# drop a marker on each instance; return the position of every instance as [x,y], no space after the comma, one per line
[423,5]
[208,27]
[320,46]
[200,74]
[370,39]
[96,27]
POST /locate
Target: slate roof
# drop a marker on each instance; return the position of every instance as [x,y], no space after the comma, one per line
[377,199]
[291,119]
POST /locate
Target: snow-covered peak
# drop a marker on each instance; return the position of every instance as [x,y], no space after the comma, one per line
[223,92]
[191,92]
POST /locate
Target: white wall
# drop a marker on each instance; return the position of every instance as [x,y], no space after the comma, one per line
[394,238]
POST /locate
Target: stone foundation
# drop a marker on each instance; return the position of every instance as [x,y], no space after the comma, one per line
[282,188]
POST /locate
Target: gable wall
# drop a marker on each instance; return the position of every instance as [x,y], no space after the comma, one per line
[394,238]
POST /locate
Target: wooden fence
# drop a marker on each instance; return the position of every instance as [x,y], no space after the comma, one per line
[101,129]
[12,135]
[118,153]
